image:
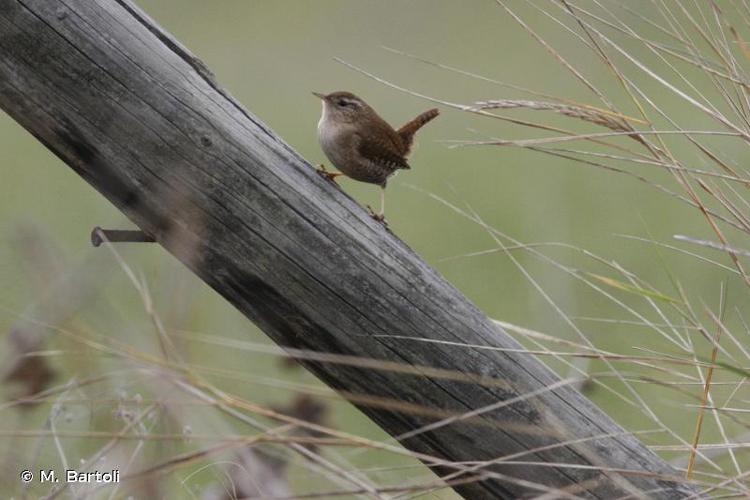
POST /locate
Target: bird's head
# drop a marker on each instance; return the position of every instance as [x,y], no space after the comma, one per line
[343,107]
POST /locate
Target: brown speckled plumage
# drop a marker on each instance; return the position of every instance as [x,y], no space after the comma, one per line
[360,143]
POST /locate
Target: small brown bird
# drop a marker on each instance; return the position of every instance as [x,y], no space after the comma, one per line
[361,144]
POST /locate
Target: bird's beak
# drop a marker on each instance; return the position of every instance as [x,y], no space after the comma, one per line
[318,94]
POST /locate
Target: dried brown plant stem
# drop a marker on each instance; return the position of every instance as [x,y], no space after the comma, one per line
[702,409]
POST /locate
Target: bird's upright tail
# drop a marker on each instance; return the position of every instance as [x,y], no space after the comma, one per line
[407,131]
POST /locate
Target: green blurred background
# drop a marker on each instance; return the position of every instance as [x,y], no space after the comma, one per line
[270,55]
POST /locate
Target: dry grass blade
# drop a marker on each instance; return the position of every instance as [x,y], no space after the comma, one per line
[598,135]
[713,245]
[704,401]
[597,116]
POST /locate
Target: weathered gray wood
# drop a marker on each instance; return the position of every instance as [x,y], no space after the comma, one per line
[140,119]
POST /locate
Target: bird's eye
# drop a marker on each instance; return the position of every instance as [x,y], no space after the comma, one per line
[343,102]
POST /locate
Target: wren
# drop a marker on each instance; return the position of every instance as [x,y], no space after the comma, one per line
[361,144]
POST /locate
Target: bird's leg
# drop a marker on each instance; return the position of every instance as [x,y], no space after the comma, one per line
[331,176]
[380,217]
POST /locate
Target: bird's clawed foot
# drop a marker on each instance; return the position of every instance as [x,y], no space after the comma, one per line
[380,217]
[331,176]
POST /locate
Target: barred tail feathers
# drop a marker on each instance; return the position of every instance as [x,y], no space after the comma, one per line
[408,130]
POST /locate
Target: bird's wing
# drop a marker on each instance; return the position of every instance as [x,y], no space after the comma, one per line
[382,148]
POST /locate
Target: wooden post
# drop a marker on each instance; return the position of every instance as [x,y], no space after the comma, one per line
[141,119]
